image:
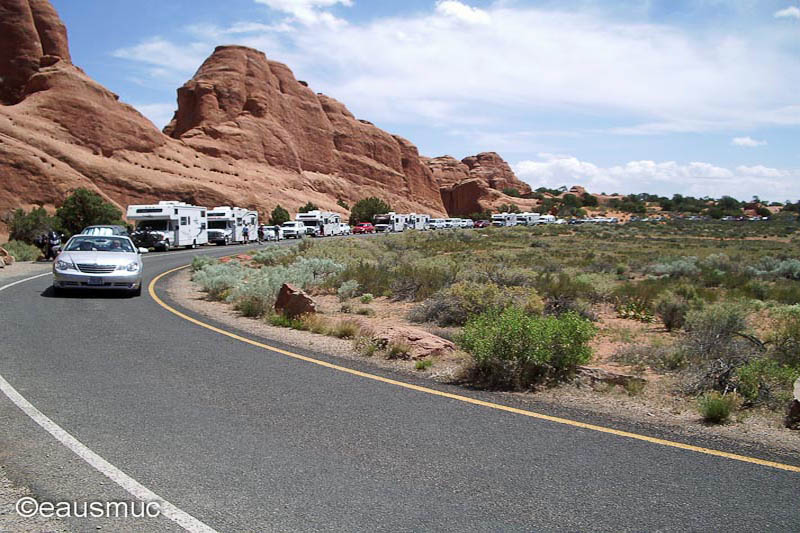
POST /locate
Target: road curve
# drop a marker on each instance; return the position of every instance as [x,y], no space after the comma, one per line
[247,439]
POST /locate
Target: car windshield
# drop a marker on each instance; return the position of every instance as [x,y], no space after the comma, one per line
[85,243]
[99,230]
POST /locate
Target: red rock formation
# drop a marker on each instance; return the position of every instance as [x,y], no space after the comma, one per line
[475,183]
[246,132]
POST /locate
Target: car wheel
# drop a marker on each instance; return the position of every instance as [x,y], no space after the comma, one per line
[166,246]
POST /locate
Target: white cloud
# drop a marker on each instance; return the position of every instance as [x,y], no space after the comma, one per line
[789,12]
[669,177]
[747,142]
[159,114]
[167,60]
[308,12]
[462,12]
[457,65]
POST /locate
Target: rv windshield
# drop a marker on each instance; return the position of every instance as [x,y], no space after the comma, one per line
[383,220]
[152,225]
[217,224]
[311,223]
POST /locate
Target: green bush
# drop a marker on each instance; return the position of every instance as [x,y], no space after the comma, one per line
[86,208]
[218,279]
[22,251]
[784,334]
[512,349]
[420,279]
[671,308]
[366,298]
[199,262]
[715,407]
[454,305]
[766,381]
[26,227]
[278,255]
[365,209]
[347,290]
[278,216]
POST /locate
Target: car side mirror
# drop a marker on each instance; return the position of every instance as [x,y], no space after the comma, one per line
[143,250]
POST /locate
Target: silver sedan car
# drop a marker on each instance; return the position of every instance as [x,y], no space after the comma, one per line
[98,262]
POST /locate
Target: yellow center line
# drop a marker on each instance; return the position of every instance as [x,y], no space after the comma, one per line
[465,399]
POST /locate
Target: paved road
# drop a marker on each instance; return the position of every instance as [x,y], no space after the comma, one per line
[246,439]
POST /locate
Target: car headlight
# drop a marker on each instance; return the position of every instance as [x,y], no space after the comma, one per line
[65,265]
[130,267]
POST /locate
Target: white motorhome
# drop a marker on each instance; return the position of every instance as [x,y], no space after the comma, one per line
[226,225]
[418,221]
[390,222]
[171,223]
[321,223]
[528,219]
[547,219]
[504,219]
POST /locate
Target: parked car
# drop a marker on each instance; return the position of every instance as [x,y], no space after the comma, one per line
[363,227]
[105,230]
[482,223]
[344,229]
[293,229]
[98,262]
[272,233]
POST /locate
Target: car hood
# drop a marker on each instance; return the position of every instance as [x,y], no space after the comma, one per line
[99,258]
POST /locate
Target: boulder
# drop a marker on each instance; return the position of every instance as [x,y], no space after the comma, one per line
[293,302]
[421,343]
[6,257]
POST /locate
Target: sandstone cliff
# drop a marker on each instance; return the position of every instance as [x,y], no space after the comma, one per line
[476,183]
[246,132]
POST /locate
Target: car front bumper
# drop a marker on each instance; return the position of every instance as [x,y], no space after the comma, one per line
[117,280]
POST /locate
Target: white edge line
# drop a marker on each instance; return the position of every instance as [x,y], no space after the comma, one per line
[136,489]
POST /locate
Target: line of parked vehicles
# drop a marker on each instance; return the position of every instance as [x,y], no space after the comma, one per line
[109,257]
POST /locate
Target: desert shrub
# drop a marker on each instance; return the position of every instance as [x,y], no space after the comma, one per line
[200,261]
[365,345]
[347,290]
[22,251]
[373,277]
[785,292]
[366,298]
[423,364]
[656,356]
[602,285]
[283,321]
[634,309]
[345,329]
[419,280]
[766,381]
[715,407]
[512,349]
[365,311]
[456,304]
[398,350]
[771,267]
[275,255]
[711,331]
[682,267]
[671,308]
[316,324]
[219,279]
[784,335]
[561,291]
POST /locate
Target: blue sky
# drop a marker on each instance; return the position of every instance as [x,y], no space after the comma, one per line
[668,96]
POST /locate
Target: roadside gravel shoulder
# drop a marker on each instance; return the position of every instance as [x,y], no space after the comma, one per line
[21,270]
[11,522]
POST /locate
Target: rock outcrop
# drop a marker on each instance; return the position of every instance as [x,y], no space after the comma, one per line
[476,183]
[246,132]
[420,343]
[293,302]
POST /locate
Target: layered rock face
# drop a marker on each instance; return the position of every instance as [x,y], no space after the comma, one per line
[246,133]
[475,183]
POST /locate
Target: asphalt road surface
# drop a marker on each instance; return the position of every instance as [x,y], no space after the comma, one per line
[247,439]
